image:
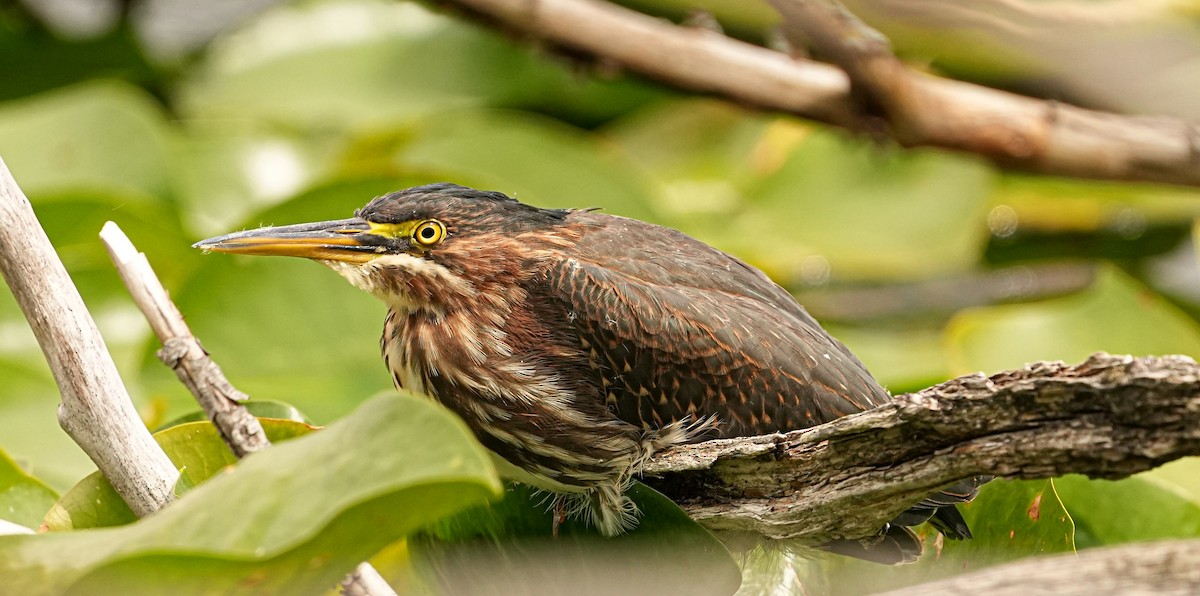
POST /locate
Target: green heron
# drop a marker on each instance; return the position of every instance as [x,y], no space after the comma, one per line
[577,344]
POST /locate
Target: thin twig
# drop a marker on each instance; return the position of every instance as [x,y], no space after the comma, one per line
[181,350]
[217,396]
[1010,129]
[95,410]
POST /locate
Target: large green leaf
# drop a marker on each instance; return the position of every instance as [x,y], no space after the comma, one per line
[507,151]
[1117,314]
[703,155]
[195,448]
[366,64]
[257,408]
[1009,519]
[291,519]
[85,155]
[229,169]
[905,357]
[96,136]
[23,498]
[302,65]
[29,425]
[72,220]
[1183,474]
[868,212]
[1052,204]
[1135,509]
[507,547]
[701,150]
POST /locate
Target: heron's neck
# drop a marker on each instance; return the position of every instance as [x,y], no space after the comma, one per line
[408,284]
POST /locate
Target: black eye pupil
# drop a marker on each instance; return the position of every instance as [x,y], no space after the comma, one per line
[427,233]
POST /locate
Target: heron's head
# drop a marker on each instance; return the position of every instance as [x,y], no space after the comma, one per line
[428,247]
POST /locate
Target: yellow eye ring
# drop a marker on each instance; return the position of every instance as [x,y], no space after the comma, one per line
[429,233]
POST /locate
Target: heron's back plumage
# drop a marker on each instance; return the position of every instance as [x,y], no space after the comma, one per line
[712,338]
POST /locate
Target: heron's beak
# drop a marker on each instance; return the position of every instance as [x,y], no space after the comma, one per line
[347,240]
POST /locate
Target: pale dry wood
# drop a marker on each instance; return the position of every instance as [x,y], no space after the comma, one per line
[919,109]
[692,58]
[218,397]
[181,350]
[1169,567]
[1109,417]
[96,410]
[366,581]
[8,528]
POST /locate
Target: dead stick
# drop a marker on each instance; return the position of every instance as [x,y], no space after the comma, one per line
[95,410]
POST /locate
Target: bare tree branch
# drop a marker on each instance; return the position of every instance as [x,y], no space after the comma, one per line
[181,350]
[1168,567]
[921,110]
[217,396]
[95,410]
[1108,417]
[692,58]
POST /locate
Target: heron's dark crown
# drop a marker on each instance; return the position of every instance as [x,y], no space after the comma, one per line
[467,209]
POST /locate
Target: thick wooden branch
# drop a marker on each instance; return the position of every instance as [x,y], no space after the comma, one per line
[920,110]
[95,410]
[1108,417]
[1169,567]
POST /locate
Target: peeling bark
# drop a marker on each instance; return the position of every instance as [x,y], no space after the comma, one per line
[1109,417]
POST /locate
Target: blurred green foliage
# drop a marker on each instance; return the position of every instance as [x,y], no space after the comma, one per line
[928,264]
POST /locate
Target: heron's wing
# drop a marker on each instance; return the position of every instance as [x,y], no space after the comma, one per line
[678,329]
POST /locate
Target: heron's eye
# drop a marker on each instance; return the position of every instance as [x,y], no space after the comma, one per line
[429,233]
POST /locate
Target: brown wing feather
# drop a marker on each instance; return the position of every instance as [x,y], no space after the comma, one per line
[714,336]
[702,333]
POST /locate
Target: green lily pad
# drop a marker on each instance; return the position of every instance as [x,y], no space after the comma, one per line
[1183,474]
[300,64]
[507,151]
[23,498]
[259,409]
[229,169]
[303,66]
[1137,509]
[100,136]
[292,519]
[195,448]
[694,142]
[1117,315]
[853,204]
[902,358]
[28,421]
